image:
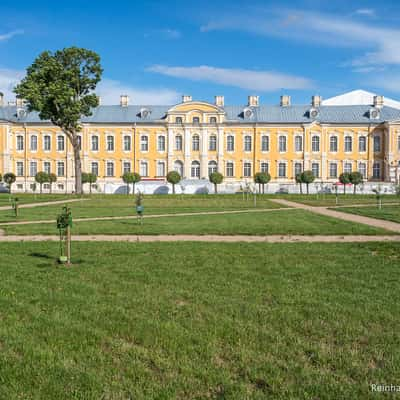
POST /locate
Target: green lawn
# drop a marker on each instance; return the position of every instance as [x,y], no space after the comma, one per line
[23,198]
[200,320]
[276,222]
[329,200]
[388,212]
[121,205]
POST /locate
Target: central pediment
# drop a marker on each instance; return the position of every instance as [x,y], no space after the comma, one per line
[198,106]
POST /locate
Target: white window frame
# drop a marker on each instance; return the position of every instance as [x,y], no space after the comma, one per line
[45,163]
[317,142]
[336,137]
[347,136]
[232,137]
[108,147]
[144,164]
[33,150]
[124,164]
[279,170]
[247,164]
[366,143]
[297,136]
[19,164]
[196,142]
[285,137]
[57,143]
[59,164]
[212,166]
[92,138]
[46,136]
[267,142]
[230,162]
[108,163]
[377,139]
[247,139]
[160,169]
[313,163]
[31,164]
[17,143]
[195,169]
[93,170]
[124,147]
[161,139]
[336,170]
[178,140]
[212,143]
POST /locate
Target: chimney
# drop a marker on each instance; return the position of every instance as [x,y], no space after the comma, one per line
[1,99]
[124,100]
[378,101]
[285,100]
[316,101]
[253,101]
[19,102]
[219,101]
[99,100]
[186,98]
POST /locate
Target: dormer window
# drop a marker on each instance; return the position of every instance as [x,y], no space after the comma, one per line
[144,113]
[178,120]
[374,113]
[213,120]
[313,113]
[196,120]
[247,113]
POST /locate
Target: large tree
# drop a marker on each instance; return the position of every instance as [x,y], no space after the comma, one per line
[60,87]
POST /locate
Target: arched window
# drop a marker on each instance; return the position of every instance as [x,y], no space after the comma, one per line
[95,143]
[178,167]
[247,143]
[212,145]
[46,143]
[212,167]
[315,144]
[33,144]
[348,143]
[362,144]
[195,169]
[264,143]
[195,143]
[178,142]
[213,120]
[178,120]
[20,142]
[333,144]
[161,143]
[144,143]
[196,120]
[230,143]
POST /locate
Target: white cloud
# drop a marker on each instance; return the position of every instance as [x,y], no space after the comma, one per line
[369,12]
[265,81]
[8,79]
[9,35]
[110,90]
[168,34]
[381,45]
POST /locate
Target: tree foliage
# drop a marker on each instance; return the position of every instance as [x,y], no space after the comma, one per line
[9,178]
[262,178]
[344,179]
[173,178]
[88,177]
[131,177]
[41,177]
[52,179]
[216,178]
[307,177]
[60,87]
[356,178]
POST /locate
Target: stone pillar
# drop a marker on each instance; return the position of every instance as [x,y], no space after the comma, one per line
[187,144]
[204,154]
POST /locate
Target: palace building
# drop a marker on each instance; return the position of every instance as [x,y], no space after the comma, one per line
[196,138]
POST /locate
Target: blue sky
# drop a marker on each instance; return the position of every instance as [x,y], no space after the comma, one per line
[155,51]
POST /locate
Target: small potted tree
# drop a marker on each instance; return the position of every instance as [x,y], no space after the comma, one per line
[173,178]
[216,178]
[307,177]
[355,179]
[52,179]
[344,179]
[9,178]
[262,178]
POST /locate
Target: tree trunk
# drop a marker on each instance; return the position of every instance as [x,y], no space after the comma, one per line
[51,187]
[90,187]
[263,186]
[127,189]
[301,188]
[78,166]
[133,188]
[173,188]
[307,189]
[215,188]
[354,192]
[344,188]
[40,188]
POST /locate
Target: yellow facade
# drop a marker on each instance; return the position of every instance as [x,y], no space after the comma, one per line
[197,138]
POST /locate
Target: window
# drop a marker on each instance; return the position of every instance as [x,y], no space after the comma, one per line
[144,169]
[178,143]
[95,168]
[362,169]
[95,143]
[212,145]
[60,186]
[333,170]
[47,167]
[333,144]
[20,143]
[79,141]
[348,144]
[20,168]
[230,143]
[161,143]
[127,143]
[60,168]
[33,144]
[213,120]
[315,169]
[377,144]
[161,168]
[196,120]
[32,168]
[347,167]
[110,144]
[178,167]
[144,143]
[195,169]
[178,120]
[60,143]
[229,169]
[126,167]
[298,143]
[195,143]
[282,144]
[110,168]
[362,144]
[264,167]
[46,143]
[247,143]
[282,168]
[298,168]
[376,170]
[247,169]
[212,167]
[264,143]
[315,143]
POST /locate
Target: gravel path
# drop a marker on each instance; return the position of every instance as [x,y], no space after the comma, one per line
[378,223]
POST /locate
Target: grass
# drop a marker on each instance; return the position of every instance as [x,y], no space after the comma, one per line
[329,200]
[275,222]
[388,212]
[121,205]
[200,320]
[24,198]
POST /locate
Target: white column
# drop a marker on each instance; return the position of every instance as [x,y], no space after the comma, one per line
[204,154]
[170,138]
[220,140]
[188,143]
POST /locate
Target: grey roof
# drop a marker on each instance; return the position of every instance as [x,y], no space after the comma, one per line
[263,114]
